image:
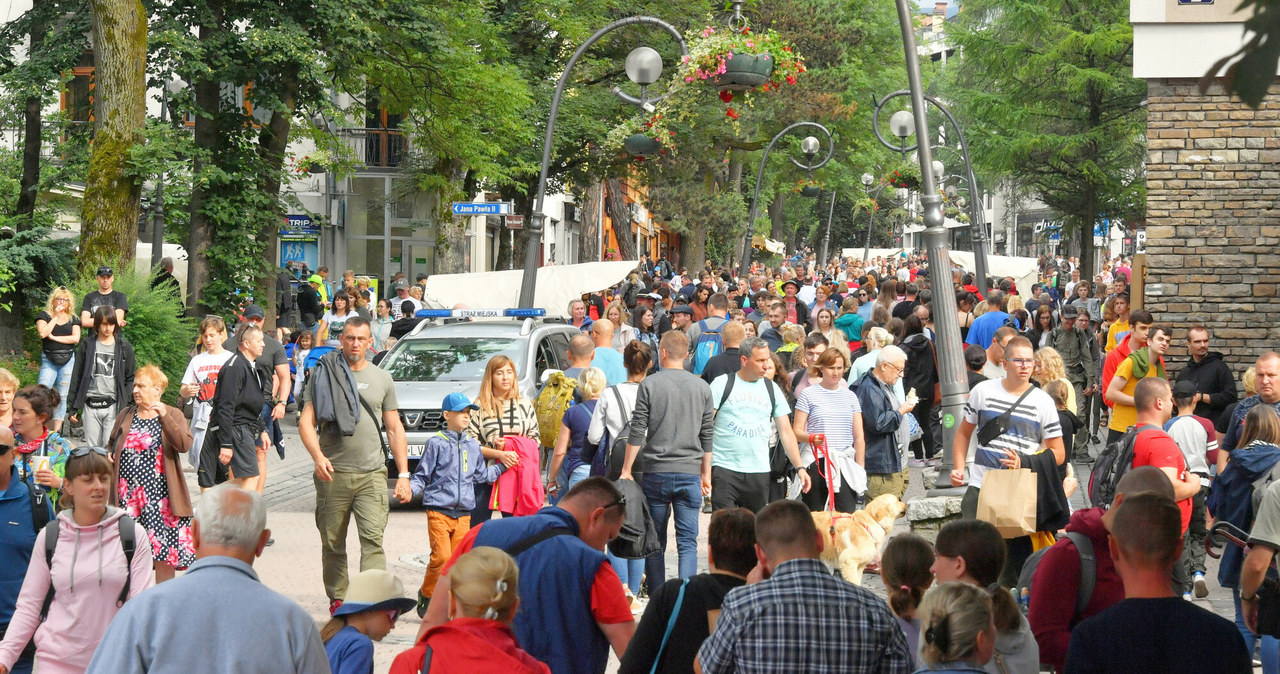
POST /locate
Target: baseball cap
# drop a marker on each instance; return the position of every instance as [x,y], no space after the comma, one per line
[1184,388]
[791,282]
[1069,311]
[682,309]
[653,296]
[422,277]
[105,271]
[457,401]
[402,284]
[254,311]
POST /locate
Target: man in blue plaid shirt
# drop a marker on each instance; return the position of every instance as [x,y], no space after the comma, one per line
[802,619]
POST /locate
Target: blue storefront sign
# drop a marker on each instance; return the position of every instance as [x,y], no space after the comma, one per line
[300,245]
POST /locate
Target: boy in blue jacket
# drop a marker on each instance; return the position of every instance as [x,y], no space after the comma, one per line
[451,465]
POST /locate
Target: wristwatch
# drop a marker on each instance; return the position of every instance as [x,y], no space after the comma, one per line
[403,476]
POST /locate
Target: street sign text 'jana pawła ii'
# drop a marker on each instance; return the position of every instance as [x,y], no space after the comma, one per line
[482,208]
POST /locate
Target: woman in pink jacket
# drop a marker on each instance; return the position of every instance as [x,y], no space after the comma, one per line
[88,573]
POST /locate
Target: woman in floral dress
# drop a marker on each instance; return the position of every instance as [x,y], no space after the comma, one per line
[146,441]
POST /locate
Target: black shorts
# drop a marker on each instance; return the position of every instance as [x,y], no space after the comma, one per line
[244,451]
[210,472]
[731,489]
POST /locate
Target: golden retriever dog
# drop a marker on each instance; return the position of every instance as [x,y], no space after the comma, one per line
[858,536]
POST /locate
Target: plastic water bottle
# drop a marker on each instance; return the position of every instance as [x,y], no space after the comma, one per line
[1024,601]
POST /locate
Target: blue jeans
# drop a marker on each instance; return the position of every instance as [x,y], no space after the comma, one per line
[50,375]
[566,480]
[630,571]
[683,493]
[1269,652]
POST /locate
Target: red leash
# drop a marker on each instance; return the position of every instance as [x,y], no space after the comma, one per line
[818,442]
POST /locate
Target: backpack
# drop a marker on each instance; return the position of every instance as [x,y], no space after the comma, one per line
[553,400]
[779,463]
[612,452]
[128,541]
[709,344]
[1088,574]
[1114,461]
[40,507]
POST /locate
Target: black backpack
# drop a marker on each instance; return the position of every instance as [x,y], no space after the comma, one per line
[1114,461]
[128,541]
[779,464]
[1088,573]
[607,457]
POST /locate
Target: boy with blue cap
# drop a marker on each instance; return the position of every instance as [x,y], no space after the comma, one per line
[451,465]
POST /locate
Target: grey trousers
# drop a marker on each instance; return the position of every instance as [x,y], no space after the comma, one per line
[97,424]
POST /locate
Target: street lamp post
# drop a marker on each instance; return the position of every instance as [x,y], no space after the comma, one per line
[809,146]
[643,67]
[950,349]
[826,238]
[976,222]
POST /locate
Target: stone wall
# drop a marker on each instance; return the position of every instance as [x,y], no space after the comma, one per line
[1213,221]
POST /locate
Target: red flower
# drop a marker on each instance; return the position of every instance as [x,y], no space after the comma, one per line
[726,95]
[791,79]
[731,113]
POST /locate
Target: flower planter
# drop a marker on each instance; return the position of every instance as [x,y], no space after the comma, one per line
[744,72]
[811,191]
[640,145]
[313,168]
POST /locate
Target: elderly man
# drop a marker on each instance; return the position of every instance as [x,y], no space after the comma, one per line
[882,423]
[244,627]
[605,356]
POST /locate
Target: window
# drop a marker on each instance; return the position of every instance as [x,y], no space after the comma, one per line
[450,359]
[546,358]
[77,97]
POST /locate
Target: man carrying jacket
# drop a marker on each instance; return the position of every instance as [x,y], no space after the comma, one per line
[1215,387]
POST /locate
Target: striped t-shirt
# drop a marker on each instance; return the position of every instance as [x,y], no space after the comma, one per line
[830,413]
[1034,421]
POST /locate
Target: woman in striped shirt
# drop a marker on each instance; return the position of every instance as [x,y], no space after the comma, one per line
[503,412]
[831,409]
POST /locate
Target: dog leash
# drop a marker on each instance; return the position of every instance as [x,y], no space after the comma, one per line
[818,442]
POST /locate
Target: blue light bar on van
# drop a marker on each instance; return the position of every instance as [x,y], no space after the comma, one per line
[480,313]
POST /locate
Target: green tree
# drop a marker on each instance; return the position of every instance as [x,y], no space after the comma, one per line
[1046,92]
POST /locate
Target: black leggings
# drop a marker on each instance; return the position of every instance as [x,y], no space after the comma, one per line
[816,499]
[925,447]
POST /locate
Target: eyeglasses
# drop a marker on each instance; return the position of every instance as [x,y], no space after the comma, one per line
[900,368]
[79,452]
[4,449]
[1022,362]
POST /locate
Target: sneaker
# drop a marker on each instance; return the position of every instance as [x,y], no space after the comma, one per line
[935,461]
[917,463]
[333,605]
[423,603]
[1202,588]
[1186,595]
[706,505]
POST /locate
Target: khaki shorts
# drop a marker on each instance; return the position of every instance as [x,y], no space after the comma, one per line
[879,484]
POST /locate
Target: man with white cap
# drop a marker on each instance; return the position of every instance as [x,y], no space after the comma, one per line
[243,626]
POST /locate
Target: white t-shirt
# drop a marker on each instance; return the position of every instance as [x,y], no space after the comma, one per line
[830,413]
[203,370]
[336,324]
[1034,421]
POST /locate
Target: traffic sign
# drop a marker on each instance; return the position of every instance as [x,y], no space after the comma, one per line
[482,208]
[515,221]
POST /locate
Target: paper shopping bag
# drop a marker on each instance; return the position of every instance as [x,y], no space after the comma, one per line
[1008,501]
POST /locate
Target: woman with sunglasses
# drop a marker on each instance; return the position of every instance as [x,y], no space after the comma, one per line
[375,599]
[88,574]
[41,453]
[59,330]
[147,442]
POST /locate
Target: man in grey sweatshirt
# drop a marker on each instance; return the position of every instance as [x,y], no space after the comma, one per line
[670,445]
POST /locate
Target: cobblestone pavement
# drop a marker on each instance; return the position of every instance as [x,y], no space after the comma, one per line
[292,565]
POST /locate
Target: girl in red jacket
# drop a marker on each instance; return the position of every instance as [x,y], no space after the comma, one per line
[483,597]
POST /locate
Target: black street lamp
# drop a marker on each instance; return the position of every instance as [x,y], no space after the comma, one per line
[644,67]
[810,147]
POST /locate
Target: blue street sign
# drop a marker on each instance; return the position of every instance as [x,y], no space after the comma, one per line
[482,208]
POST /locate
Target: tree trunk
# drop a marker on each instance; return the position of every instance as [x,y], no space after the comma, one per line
[777,217]
[452,244]
[272,143]
[735,187]
[589,231]
[693,248]
[205,137]
[616,206]
[111,198]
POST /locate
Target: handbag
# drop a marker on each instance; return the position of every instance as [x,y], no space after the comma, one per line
[1269,608]
[1000,424]
[1007,500]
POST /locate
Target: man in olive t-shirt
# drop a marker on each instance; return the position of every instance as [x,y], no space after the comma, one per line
[351,475]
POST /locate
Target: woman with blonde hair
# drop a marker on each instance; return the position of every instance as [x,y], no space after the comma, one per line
[877,338]
[9,386]
[146,472]
[567,467]
[959,633]
[503,413]
[59,330]
[824,323]
[483,598]
[1049,367]
[624,332]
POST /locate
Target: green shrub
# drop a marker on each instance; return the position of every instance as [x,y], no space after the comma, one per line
[26,369]
[153,325]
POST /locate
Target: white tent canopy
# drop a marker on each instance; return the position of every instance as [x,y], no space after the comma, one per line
[557,286]
[856,253]
[1024,270]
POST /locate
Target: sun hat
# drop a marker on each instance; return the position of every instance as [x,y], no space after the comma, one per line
[374,590]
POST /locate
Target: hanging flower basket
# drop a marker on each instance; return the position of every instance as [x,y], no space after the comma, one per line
[904,176]
[640,145]
[740,60]
[811,191]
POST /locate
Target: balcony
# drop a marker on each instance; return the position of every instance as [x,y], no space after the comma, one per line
[375,149]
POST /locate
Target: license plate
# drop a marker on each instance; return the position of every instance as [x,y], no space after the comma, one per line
[415,451]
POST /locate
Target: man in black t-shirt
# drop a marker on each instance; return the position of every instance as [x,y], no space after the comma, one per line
[1150,629]
[104,296]
[732,537]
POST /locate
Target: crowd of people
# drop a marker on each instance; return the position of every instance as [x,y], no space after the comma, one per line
[759,399]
